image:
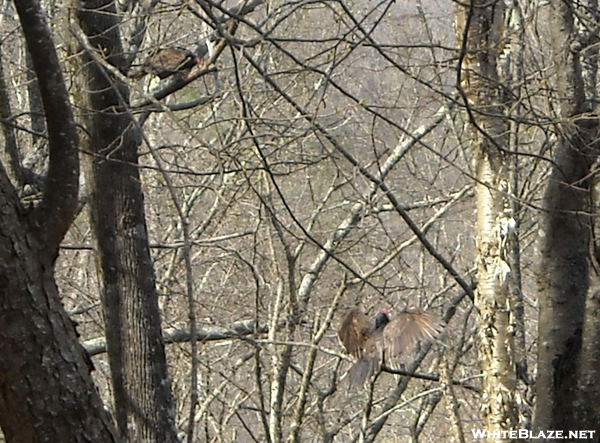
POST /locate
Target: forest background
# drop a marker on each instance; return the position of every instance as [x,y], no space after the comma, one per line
[324,155]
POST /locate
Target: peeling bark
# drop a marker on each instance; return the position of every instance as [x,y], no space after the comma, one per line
[480,29]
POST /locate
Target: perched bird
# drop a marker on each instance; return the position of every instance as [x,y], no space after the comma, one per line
[165,62]
[374,344]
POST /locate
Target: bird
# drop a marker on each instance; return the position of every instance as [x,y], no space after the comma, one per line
[373,344]
[165,62]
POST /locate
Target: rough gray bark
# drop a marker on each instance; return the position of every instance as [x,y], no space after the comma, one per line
[141,386]
[566,398]
[562,283]
[46,391]
[591,330]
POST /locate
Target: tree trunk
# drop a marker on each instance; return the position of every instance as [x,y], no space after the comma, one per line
[46,391]
[142,393]
[566,397]
[480,30]
[563,282]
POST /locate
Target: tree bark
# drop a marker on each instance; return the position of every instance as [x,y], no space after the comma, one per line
[144,407]
[480,29]
[46,391]
[563,282]
[565,388]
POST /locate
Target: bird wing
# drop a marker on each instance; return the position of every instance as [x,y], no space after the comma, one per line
[354,332]
[403,332]
[168,61]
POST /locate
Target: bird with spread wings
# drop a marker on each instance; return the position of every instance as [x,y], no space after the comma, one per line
[373,344]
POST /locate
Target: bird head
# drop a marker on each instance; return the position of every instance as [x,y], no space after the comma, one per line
[382,318]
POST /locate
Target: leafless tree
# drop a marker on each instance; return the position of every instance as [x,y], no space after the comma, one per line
[567,376]
[143,403]
[306,158]
[47,390]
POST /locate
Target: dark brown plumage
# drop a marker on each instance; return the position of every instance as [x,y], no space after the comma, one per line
[165,62]
[371,344]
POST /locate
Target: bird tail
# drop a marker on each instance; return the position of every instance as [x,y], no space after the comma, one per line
[361,371]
